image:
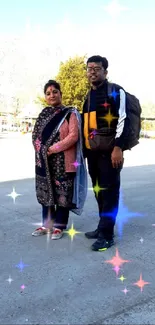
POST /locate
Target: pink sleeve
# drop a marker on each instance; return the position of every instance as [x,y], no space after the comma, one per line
[71,138]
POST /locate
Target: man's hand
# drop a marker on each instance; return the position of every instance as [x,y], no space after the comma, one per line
[117,157]
[49,151]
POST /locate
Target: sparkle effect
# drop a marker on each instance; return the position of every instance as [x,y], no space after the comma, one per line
[93,133]
[117,261]
[21,266]
[122,278]
[116,269]
[97,189]
[76,164]
[72,232]
[141,240]
[22,287]
[123,215]
[125,291]
[49,225]
[109,118]
[105,105]
[114,94]
[9,279]
[141,283]
[48,236]
[13,194]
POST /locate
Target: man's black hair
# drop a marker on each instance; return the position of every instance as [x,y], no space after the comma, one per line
[52,83]
[98,58]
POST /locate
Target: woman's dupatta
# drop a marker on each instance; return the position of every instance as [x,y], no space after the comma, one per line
[46,127]
[44,132]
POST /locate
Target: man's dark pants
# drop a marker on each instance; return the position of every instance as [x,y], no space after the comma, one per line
[107,178]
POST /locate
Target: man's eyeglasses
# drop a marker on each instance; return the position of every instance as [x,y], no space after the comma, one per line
[95,69]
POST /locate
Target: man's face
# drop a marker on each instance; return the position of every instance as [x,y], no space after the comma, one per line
[96,73]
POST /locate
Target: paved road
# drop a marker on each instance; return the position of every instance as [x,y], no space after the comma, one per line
[65,282]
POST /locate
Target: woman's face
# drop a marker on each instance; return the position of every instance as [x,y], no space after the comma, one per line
[53,96]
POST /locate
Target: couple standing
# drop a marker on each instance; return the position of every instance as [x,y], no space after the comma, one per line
[62,139]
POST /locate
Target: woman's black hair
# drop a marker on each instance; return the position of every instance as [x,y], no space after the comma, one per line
[52,83]
[98,58]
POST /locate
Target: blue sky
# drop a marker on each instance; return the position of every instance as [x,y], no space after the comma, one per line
[15,14]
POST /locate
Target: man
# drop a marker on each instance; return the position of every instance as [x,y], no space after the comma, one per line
[104,167]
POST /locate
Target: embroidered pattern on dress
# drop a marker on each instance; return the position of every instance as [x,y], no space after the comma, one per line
[62,182]
[48,192]
[37,145]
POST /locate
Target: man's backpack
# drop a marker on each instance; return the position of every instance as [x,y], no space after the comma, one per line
[134,110]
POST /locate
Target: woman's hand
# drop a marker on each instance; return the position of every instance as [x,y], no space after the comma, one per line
[49,151]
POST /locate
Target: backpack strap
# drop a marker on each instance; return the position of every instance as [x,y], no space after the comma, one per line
[88,107]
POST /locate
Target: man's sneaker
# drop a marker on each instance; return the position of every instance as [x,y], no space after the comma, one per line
[40,231]
[102,244]
[57,233]
[92,234]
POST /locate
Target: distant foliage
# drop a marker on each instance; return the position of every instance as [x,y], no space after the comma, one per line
[73,80]
[148,125]
[74,85]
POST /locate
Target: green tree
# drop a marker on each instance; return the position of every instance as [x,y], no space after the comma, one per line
[73,80]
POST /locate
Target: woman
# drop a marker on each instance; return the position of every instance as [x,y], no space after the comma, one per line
[61,176]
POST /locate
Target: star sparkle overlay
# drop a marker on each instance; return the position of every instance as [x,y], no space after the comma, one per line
[49,225]
[14,195]
[141,283]
[141,240]
[122,278]
[22,287]
[117,261]
[97,189]
[72,232]
[76,164]
[94,132]
[116,269]
[106,105]
[9,279]
[114,94]
[123,215]
[21,265]
[48,237]
[109,118]
[125,291]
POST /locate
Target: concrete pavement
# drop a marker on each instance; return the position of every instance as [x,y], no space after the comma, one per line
[65,282]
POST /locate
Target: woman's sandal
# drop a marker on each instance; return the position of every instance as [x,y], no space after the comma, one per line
[41,231]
